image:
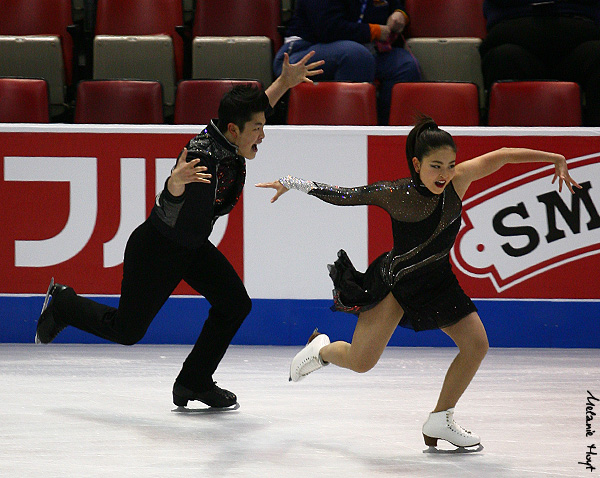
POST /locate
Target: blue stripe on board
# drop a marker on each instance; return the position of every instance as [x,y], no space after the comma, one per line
[509,323]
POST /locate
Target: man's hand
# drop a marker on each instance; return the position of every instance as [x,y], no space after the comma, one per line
[186,172]
[292,75]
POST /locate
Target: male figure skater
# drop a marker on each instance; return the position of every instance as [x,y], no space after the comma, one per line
[172,244]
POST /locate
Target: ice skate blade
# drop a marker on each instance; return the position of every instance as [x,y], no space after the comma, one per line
[459,450]
[44,307]
[47,298]
[207,410]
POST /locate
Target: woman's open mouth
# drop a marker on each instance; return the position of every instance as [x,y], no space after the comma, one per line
[440,184]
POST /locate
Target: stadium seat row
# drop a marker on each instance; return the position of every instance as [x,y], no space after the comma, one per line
[536,103]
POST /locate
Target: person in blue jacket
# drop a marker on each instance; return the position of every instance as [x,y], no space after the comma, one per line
[360,41]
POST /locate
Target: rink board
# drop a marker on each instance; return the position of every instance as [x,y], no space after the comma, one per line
[529,255]
[511,323]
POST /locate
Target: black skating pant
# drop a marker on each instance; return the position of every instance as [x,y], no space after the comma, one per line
[153,266]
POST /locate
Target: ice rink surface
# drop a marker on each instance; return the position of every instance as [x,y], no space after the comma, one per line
[106,411]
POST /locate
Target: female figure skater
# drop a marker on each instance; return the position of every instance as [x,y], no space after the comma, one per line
[413,285]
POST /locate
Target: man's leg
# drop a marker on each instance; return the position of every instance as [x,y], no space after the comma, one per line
[211,274]
[149,276]
[395,66]
[344,60]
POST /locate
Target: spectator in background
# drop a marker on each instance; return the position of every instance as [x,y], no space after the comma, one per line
[360,41]
[545,40]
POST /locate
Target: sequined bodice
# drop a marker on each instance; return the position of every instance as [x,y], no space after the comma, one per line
[424,226]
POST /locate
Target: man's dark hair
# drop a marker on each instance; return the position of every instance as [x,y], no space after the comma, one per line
[239,104]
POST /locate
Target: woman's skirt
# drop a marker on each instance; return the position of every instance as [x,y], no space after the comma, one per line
[431,297]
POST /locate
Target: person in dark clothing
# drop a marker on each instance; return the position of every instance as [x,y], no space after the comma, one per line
[359,39]
[550,40]
[413,285]
[173,244]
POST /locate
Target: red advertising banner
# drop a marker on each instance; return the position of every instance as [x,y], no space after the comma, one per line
[520,237]
[70,201]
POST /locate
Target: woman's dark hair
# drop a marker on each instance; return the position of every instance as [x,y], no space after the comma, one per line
[425,137]
[239,104]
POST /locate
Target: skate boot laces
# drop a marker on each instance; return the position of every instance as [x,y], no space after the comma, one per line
[309,358]
[441,425]
[310,364]
[455,427]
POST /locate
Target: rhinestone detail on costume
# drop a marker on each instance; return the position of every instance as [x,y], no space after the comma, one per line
[405,205]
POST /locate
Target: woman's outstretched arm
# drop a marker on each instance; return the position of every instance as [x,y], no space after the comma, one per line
[486,164]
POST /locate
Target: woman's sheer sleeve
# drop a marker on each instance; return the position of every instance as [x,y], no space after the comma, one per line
[377,194]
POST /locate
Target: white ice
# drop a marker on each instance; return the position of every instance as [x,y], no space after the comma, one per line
[105,411]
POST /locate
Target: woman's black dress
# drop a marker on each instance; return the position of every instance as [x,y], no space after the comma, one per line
[417,270]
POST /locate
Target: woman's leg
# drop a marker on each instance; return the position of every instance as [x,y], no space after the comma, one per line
[372,334]
[471,339]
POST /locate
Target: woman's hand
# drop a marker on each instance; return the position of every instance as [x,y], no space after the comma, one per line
[561,172]
[186,172]
[280,188]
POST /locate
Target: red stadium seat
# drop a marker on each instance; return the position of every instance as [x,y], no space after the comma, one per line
[238,18]
[40,17]
[449,104]
[445,18]
[535,103]
[197,101]
[332,103]
[142,17]
[119,101]
[23,100]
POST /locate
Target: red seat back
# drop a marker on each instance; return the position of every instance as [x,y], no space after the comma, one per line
[333,103]
[445,18]
[238,18]
[197,101]
[143,17]
[449,104]
[40,17]
[119,101]
[23,100]
[535,103]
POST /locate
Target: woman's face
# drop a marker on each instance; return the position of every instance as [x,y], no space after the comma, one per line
[437,168]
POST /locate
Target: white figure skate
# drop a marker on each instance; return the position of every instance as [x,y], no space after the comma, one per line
[441,425]
[309,359]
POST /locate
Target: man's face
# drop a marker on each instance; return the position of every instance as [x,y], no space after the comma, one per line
[250,137]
